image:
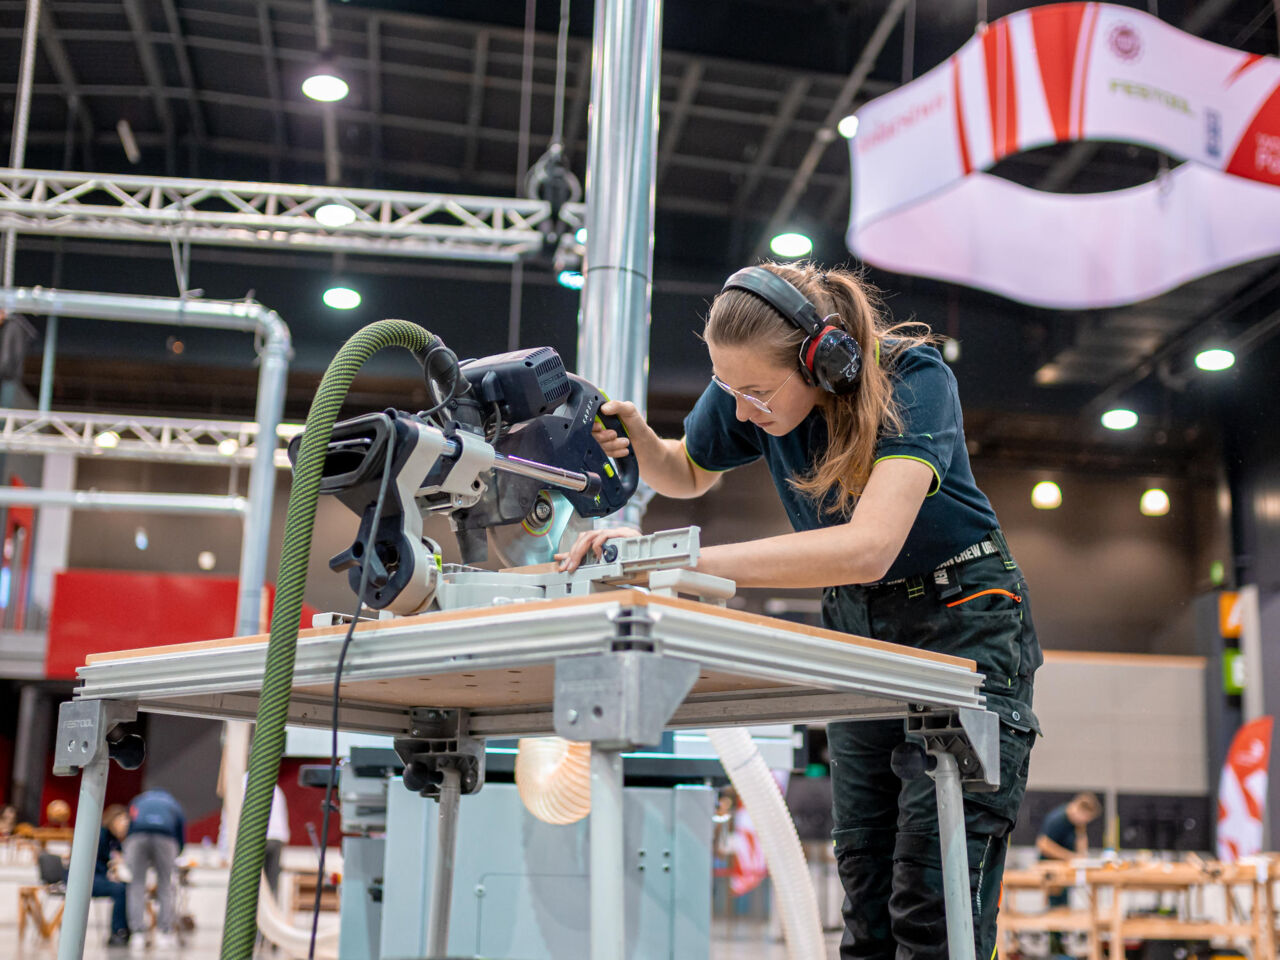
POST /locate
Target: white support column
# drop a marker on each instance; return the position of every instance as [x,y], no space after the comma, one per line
[53,531]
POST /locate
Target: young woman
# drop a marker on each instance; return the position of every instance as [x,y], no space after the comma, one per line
[860,425]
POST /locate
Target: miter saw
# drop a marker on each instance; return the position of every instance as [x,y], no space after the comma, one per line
[507,453]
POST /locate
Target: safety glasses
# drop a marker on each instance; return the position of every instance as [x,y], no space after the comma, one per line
[761,405]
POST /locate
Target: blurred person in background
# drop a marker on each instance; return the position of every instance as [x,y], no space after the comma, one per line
[154,841]
[107,878]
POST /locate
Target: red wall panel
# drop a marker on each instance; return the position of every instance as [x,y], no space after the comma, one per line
[98,611]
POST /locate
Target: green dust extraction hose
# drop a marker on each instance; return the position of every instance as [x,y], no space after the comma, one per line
[241,927]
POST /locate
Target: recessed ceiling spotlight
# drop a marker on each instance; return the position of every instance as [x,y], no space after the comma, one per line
[335,215]
[341,298]
[1119,419]
[1215,359]
[325,86]
[1046,495]
[1154,503]
[791,245]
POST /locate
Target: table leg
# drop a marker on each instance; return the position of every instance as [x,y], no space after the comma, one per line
[1095,932]
[955,857]
[84,852]
[1117,918]
[608,903]
[442,879]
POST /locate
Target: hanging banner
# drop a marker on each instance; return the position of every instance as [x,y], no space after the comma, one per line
[1064,72]
[1242,793]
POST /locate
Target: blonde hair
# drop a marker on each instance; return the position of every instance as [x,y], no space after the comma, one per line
[855,422]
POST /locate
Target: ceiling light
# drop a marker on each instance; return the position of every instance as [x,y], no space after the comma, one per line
[1046,495]
[572,279]
[1215,359]
[325,86]
[206,560]
[229,447]
[140,538]
[335,215]
[341,298]
[847,127]
[950,350]
[107,439]
[580,235]
[791,245]
[1154,503]
[1119,419]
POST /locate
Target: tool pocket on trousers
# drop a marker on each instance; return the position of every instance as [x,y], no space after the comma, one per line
[1015,764]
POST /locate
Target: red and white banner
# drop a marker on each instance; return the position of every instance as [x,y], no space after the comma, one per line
[1242,793]
[1072,71]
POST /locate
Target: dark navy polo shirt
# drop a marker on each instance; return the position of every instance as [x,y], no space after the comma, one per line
[954,515]
[1058,827]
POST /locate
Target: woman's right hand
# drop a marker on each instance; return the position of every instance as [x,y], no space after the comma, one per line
[614,444]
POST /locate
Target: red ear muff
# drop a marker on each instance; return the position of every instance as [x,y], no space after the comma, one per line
[832,360]
[810,347]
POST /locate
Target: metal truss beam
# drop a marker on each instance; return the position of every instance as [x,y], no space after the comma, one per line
[105,436]
[223,212]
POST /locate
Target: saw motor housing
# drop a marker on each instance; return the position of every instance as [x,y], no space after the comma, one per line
[523,406]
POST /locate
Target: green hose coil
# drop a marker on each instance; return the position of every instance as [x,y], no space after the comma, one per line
[241,926]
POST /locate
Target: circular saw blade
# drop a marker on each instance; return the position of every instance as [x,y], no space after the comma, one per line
[530,542]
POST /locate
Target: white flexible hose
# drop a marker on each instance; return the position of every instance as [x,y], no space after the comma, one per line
[292,941]
[792,885]
[553,777]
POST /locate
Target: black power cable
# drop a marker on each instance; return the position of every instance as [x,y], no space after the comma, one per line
[337,688]
[355,618]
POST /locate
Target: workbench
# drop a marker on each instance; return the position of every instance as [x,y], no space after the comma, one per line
[614,668]
[1109,888]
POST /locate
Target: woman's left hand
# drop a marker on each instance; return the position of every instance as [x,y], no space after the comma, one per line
[593,541]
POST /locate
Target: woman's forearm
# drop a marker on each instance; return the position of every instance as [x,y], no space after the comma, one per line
[665,466]
[826,557]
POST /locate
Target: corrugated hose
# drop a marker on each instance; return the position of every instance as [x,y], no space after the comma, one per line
[241,926]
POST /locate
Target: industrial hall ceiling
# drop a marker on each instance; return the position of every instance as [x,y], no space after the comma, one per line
[462,97]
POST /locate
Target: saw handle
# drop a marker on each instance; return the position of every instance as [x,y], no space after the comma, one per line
[628,467]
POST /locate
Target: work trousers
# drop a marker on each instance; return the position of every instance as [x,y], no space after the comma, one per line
[886,829]
[158,852]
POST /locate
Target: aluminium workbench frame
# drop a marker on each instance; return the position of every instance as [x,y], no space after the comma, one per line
[614,668]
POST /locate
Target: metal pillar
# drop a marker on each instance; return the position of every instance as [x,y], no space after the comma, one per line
[84,853]
[272,379]
[46,364]
[99,500]
[442,877]
[30,748]
[608,888]
[21,115]
[955,857]
[613,324]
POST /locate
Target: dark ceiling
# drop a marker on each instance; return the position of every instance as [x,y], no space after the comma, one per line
[210,89]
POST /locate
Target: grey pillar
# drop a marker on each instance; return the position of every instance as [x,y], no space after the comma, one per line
[613,325]
[31,751]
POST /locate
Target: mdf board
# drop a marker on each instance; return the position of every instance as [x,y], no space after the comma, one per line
[1123,722]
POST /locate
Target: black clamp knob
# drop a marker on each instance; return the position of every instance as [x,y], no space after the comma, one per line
[909,761]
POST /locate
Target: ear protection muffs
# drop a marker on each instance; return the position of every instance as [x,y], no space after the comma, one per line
[830,358]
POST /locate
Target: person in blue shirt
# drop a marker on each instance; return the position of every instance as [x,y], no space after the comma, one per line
[115,827]
[860,425]
[155,839]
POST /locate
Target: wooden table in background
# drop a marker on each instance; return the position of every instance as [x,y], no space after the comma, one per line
[1188,879]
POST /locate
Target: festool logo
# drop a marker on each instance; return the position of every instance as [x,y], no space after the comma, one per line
[1145,91]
